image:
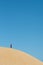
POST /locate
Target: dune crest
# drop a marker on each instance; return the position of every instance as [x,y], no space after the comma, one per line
[10,56]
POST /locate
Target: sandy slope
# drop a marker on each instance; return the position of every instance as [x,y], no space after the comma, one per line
[15,57]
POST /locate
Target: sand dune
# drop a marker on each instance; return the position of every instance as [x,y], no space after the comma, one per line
[10,56]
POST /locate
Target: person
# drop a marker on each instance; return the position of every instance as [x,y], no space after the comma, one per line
[10,45]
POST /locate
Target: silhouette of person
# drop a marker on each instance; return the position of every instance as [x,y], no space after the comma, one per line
[10,45]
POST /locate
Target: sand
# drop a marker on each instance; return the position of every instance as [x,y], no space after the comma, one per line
[10,56]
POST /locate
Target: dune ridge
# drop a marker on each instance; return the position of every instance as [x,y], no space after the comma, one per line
[10,56]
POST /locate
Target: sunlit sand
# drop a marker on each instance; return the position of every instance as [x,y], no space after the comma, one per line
[10,56]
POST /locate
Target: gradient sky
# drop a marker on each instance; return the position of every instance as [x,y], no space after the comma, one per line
[21,23]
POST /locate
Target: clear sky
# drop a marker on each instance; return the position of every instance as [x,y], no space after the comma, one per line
[21,23]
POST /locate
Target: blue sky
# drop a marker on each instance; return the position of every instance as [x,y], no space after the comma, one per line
[21,23]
